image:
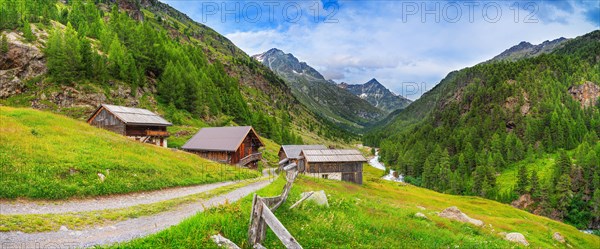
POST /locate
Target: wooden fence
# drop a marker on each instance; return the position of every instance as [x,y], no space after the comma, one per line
[262,214]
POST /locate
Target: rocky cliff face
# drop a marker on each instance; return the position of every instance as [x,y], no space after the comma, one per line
[587,94]
[378,95]
[25,62]
[22,62]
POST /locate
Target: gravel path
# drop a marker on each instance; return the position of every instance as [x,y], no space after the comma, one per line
[121,231]
[12,207]
[102,202]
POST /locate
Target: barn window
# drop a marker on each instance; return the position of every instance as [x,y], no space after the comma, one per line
[325,176]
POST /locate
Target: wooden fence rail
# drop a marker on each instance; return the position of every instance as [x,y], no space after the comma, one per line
[262,215]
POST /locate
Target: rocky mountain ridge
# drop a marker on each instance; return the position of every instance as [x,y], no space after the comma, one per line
[320,95]
[527,50]
[378,95]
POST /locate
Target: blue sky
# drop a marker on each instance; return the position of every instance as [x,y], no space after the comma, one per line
[397,42]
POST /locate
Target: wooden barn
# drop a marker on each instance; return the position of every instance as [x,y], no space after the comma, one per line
[292,152]
[139,124]
[233,145]
[344,165]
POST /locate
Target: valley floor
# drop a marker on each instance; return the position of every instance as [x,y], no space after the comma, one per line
[378,214]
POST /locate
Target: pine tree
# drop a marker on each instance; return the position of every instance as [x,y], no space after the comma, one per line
[27,33]
[456,183]
[479,177]
[470,156]
[426,180]
[519,151]
[496,144]
[87,60]
[534,191]
[510,147]
[72,59]
[563,195]
[545,200]
[117,58]
[578,182]
[522,181]
[562,166]
[443,172]
[462,168]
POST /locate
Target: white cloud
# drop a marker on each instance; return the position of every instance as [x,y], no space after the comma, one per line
[373,41]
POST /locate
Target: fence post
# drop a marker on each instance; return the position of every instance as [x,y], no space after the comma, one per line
[255,235]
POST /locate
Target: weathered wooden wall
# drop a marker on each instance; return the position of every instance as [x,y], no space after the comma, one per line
[219,156]
[350,171]
[281,154]
[249,146]
[106,120]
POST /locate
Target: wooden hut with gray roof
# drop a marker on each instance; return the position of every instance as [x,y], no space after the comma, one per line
[344,165]
[292,152]
[139,124]
[232,145]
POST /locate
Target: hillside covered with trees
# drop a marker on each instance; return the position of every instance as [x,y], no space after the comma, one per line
[491,116]
[163,60]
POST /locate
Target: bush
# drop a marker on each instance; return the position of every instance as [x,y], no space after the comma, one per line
[413,180]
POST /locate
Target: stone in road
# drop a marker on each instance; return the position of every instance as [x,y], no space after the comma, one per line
[122,231]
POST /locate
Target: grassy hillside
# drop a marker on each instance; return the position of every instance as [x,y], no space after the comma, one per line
[49,156]
[375,215]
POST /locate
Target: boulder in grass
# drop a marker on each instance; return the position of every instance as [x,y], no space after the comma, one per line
[318,197]
[102,177]
[421,215]
[517,237]
[558,237]
[454,213]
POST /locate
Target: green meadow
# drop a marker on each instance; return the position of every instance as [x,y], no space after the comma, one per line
[49,156]
[379,214]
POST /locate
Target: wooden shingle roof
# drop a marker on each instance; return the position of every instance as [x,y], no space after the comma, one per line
[219,138]
[133,116]
[333,156]
[293,151]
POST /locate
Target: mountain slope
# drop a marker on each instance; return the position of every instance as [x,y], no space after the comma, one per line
[378,95]
[485,118]
[404,119]
[378,214]
[320,95]
[147,54]
[451,85]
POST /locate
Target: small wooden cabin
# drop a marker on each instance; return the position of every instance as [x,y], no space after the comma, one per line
[233,145]
[344,165]
[292,152]
[139,124]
